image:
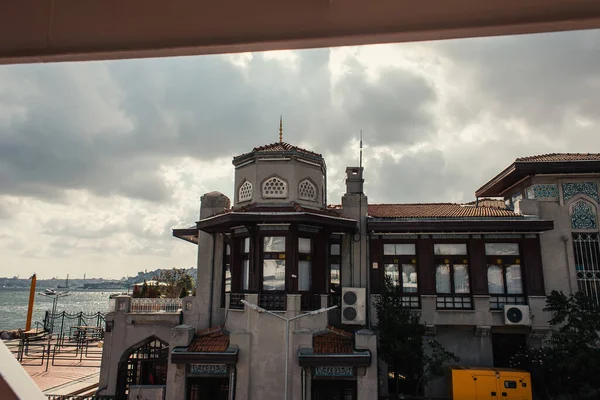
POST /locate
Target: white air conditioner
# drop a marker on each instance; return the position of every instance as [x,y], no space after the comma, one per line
[354,306]
[516,315]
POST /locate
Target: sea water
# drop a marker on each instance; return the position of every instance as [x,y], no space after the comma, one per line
[14,302]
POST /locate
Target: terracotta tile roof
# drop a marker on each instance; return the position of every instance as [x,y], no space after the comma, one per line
[558,157]
[436,210]
[210,340]
[281,147]
[333,341]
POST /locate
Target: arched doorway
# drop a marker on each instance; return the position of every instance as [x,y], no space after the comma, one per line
[145,363]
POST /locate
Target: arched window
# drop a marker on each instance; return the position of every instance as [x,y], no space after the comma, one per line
[274,188]
[583,216]
[307,190]
[245,192]
[143,364]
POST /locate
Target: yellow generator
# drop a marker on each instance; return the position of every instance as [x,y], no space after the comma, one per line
[480,383]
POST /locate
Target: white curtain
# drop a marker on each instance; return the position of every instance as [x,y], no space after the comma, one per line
[442,278]
[514,282]
[304,276]
[461,278]
[495,279]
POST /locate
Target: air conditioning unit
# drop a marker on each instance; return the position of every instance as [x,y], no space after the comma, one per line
[516,315]
[354,306]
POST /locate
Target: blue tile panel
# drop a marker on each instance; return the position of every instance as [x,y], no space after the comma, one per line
[542,191]
[571,189]
[582,216]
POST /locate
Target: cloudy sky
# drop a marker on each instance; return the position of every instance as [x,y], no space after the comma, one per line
[99,160]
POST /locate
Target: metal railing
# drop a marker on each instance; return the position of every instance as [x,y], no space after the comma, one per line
[273,302]
[235,301]
[334,299]
[310,301]
[156,305]
[62,322]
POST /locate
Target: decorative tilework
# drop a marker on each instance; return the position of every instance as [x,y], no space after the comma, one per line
[530,236]
[506,236]
[424,236]
[399,237]
[449,236]
[542,191]
[334,371]
[311,229]
[208,369]
[582,216]
[274,227]
[475,236]
[571,189]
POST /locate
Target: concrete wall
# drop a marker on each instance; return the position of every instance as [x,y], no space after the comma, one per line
[127,331]
[292,171]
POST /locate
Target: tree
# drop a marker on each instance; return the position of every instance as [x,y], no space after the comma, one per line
[401,343]
[569,365]
[176,281]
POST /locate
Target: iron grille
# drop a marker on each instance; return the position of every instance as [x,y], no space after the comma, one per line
[587,264]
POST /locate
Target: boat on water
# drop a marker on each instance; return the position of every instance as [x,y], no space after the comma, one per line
[50,292]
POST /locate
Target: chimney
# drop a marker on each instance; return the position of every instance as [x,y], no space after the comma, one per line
[354,180]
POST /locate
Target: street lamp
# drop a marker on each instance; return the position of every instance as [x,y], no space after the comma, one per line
[56,296]
[287,331]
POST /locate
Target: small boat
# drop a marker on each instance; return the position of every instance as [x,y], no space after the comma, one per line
[50,292]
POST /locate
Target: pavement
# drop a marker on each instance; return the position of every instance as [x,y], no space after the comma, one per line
[69,373]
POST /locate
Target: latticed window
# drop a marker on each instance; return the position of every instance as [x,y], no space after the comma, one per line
[587,264]
[245,192]
[145,365]
[307,190]
[274,188]
[505,282]
[583,216]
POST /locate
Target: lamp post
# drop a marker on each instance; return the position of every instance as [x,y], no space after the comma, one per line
[287,331]
[55,296]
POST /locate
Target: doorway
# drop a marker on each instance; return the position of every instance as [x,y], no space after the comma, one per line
[505,346]
[208,388]
[329,389]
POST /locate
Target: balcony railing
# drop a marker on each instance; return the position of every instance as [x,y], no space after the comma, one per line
[273,302]
[453,301]
[235,301]
[334,299]
[156,305]
[498,301]
[310,301]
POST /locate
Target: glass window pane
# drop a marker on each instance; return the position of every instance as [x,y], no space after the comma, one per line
[495,279]
[389,249]
[274,244]
[227,278]
[227,250]
[399,249]
[304,275]
[334,274]
[335,249]
[409,278]
[442,278]
[514,281]
[274,275]
[449,249]
[461,278]
[304,245]
[245,274]
[247,245]
[391,271]
[502,249]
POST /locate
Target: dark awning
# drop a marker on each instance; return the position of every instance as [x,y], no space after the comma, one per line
[181,355]
[357,358]
[224,222]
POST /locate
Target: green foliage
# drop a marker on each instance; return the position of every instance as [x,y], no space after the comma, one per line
[401,342]
[570,364]
[177,281]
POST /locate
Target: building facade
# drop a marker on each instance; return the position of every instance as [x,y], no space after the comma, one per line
[286,283]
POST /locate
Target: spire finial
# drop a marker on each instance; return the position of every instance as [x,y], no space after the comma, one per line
[280,128]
